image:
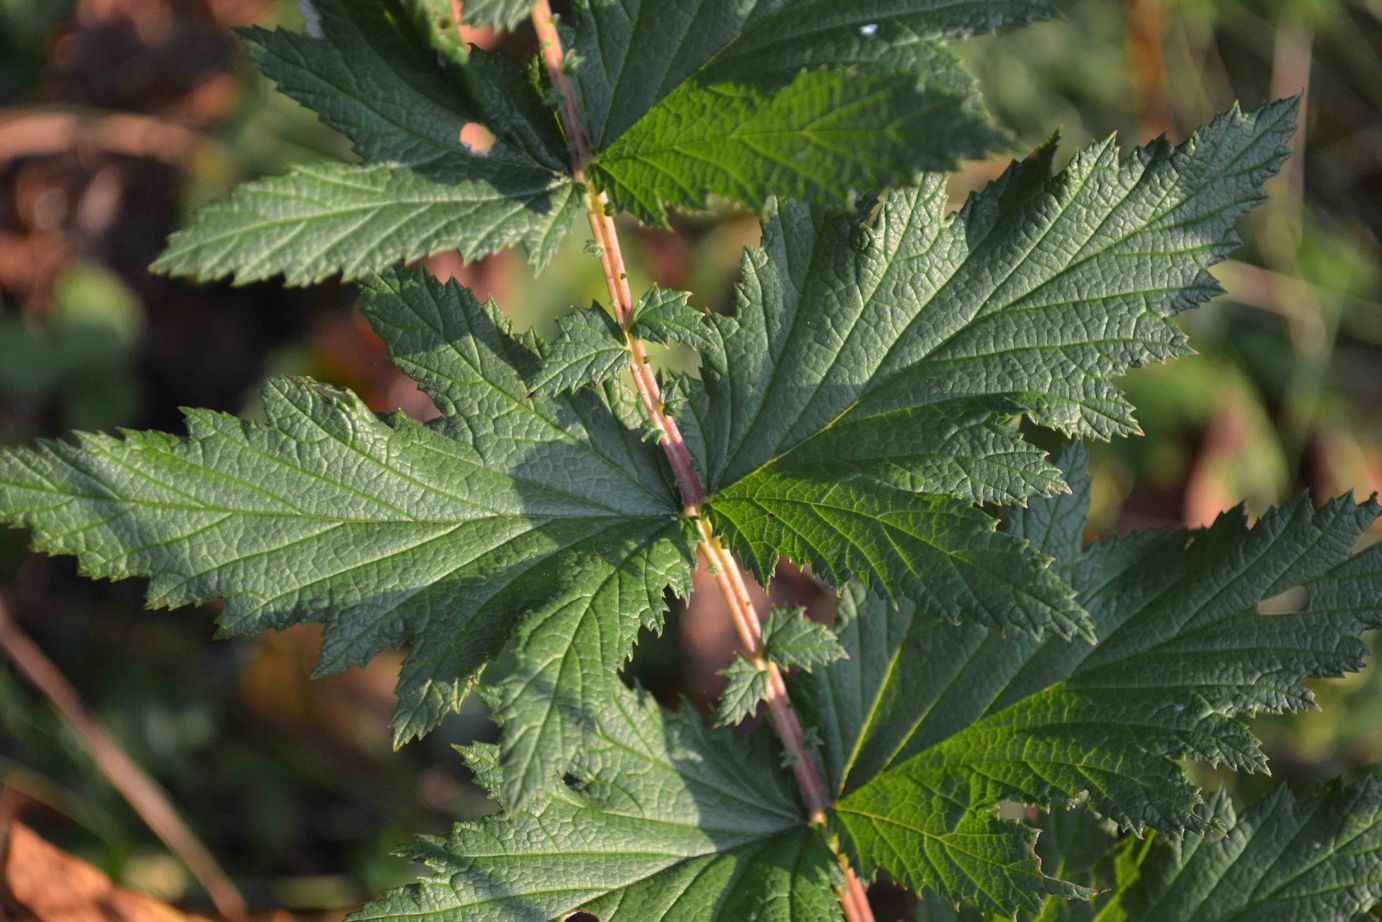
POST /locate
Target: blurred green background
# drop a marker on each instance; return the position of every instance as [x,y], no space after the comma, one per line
[117,117]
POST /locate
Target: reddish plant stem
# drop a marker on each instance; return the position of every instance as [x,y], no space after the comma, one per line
[730,578]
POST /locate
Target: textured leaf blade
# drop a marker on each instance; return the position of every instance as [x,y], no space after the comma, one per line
[669,821]
[365,78]
[349,220]
[899,33]
[502,14]
[1319,857]
[386,530]
[800,99]
[589,348]
[791,641]
[821,138]
[495,392]
[877,359]
[567,660]
[745,687]
[635,53]
[794,641]
[666,316]
[371,76]
[926,723]
[947,555]
[928,842]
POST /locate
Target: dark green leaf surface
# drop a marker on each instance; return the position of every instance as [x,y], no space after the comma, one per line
[665,316]
[822,137]
[372,78]
[350,220]
[1283,860]
[632,54]
[588,348]
[367,79]
[512,507]
[664,820]
[927,725]
[790,640]
[872,360]
[802,99]
[488,388]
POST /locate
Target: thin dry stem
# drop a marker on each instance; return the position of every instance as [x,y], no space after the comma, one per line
[730,578]
[143,793]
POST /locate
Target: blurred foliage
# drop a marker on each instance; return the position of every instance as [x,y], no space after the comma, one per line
[83,356]
[291,781]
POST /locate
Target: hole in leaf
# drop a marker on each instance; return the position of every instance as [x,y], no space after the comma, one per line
[1291,602]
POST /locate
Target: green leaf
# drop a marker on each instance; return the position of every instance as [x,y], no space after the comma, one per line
[514,507]
[665,316]
[1286,858]
[635,53]
[372,77]
[803,99]
[747,685]
[947,555]
[822,138]
[502,14]
[792,641]
[490,390]
[367,79]
[873,362]
[1319,857]
[927,726]
[663,820]
[589,348]
[350,220]
[1057,526]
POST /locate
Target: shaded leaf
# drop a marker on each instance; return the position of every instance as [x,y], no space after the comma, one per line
[927,726]
[753,99]
[663,820]
[1317,857]
[372,77]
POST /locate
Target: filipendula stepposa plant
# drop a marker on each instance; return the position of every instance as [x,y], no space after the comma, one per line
[856,413]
